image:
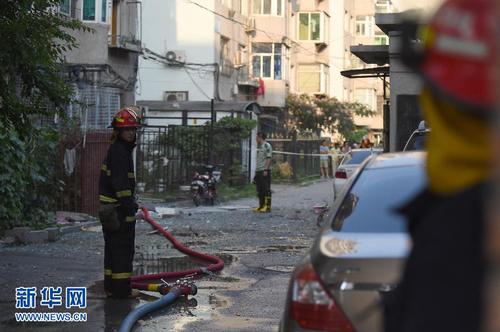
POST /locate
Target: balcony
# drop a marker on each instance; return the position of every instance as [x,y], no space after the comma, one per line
[244,79]
[128,43]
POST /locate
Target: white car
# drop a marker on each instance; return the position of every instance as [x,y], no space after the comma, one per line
[348,165]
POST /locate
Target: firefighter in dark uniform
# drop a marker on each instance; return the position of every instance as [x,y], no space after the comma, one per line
[442,287]
[263,173]
[118,206]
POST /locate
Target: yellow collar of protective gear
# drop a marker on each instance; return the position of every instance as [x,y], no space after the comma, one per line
[459,146]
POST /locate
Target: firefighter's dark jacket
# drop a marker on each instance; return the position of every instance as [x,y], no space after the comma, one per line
[117,180]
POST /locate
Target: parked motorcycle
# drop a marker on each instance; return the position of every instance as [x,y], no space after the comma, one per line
[203,186]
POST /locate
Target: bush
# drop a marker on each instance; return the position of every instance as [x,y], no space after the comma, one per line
[282,171]
[29,186]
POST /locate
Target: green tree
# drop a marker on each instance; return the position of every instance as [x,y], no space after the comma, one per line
[35,38]
[307,112]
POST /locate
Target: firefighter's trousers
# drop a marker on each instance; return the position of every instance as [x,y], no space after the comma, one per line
[119,256]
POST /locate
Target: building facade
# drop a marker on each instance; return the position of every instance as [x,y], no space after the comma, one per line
[194,51]
[103,68]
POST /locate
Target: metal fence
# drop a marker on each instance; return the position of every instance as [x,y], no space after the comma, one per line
[168,156]
[302,165]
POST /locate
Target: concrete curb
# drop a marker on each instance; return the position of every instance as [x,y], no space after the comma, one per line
[25,235]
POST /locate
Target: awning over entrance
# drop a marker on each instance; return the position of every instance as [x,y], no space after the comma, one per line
[202,106]
[366,72]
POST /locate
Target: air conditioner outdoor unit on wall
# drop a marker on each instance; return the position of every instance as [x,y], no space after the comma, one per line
[173,96]
[250,25]
[176,56]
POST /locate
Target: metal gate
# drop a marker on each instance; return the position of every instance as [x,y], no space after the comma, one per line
[168,156]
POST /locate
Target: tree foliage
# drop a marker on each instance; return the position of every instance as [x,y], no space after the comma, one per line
[32,82]
[35,38]
[307,112]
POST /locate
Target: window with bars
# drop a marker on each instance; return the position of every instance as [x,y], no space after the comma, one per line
[267,59]
[96,106]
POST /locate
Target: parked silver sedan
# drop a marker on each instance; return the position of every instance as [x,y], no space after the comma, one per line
[358,255]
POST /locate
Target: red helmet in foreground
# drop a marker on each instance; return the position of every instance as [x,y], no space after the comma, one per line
[125,118]
[459,52]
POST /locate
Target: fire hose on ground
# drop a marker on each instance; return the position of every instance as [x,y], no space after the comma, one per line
[170,292]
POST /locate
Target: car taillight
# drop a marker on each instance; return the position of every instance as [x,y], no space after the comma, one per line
[341,174]
[312,307]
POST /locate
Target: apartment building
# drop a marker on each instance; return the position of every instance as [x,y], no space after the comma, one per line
[194,51]
[103,68]
[369,91]
[289,52]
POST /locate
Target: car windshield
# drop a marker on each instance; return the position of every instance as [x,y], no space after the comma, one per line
[370,206]
[356,157]
[416,142]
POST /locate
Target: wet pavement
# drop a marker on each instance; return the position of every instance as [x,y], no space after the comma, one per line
[259,251]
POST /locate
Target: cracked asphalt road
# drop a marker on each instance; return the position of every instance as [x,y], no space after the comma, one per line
[260,251]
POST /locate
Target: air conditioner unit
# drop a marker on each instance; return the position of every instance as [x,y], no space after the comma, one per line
[176,56]
[173,96]
[250,25]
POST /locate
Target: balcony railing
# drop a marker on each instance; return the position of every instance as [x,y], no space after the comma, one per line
[244,78]
[124,42]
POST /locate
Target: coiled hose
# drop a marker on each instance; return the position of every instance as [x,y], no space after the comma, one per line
[172,293]
[137,282]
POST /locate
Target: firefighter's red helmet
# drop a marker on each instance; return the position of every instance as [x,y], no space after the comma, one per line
[126,117]
[460,50]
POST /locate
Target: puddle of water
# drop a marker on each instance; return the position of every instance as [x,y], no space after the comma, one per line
[155,259]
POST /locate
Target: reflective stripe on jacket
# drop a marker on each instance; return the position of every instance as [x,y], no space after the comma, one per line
[117,180]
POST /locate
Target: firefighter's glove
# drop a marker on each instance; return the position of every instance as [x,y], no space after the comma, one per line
[139,215]
[109,218]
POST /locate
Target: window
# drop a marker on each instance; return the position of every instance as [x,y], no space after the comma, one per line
[95,10]
[173,96]
[225,62]
[267,59]
[268,7]
[366,97]
[380,192]
[383,6]
[312,26]
[381,38]
[365,25]
[240,56]
[65,7]
[313,78]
